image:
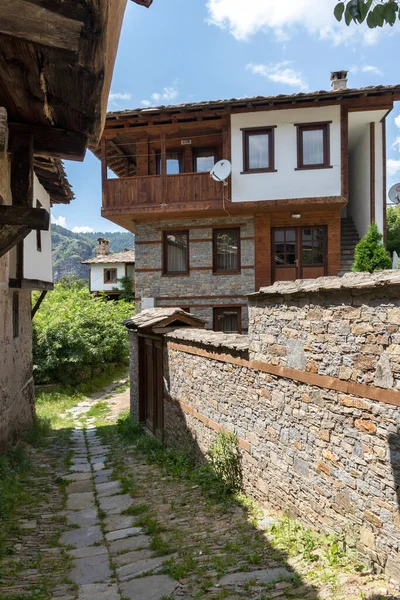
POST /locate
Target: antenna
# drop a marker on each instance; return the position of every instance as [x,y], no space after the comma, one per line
[394,194]
[221,171]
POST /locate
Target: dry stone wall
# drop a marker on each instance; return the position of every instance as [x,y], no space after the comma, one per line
[318,441]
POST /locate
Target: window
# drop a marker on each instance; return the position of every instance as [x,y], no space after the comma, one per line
[204,159]
[258,150]
[285,247]
[176,252]
[110,275]
[174,161]
[226,250]
[38,232]
[313,146]
[313,246]
[15,315]
[228,319]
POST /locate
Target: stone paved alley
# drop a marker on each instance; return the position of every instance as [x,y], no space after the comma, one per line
[111,526]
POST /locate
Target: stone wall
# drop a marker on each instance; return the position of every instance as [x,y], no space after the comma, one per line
[16,377]
[315,406]
[198,290]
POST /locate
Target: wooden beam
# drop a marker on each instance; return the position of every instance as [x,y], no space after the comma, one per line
[30,284]
[52,141]
[22,170]
[10,236]
[38,303]
[146,3]
[35,218]
[34,23]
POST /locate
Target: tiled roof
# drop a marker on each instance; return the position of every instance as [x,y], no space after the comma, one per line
[151,317]
[128,256]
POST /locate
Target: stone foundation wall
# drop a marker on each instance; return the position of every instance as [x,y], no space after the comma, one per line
[201,290]
[322,446]
[16,374]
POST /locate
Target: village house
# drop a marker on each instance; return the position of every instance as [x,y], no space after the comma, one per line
[106,270]
[56,66]
[308,177]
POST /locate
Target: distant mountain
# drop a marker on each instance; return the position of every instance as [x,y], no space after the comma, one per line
[70,248]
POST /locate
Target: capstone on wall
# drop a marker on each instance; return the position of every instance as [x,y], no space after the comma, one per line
[326,448]
[201,290]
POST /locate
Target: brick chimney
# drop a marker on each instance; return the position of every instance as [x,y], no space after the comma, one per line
[103,247]
[339,80]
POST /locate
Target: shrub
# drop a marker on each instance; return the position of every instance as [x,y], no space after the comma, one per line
[76,335]
[370,255]
[224,456]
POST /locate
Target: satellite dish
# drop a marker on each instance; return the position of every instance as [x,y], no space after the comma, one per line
[394,194]
[221,170]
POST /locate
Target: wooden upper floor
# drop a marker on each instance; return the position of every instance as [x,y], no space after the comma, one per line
[286,151]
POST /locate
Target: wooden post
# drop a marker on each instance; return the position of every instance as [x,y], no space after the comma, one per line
[38,303]
[163,169]
[103,148]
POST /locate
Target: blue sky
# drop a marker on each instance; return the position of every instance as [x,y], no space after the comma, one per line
[191,50]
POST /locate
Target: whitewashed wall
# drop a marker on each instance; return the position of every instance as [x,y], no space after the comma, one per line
[286,182]
[97,277]
[39,265]
[359,183]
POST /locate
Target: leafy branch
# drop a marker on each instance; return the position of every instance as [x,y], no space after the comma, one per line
[376,13]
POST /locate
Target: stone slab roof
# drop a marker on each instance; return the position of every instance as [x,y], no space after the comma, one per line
[324,284]
[128,256]
[162,316]
[378,90]
[215,339]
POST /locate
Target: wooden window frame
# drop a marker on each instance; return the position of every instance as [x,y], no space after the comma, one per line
[325,128]
[38,232]
[246,133]
[195,150]
[15,315]
[165,272]
[179,151]
[104,275]
[217,271]
[219,309]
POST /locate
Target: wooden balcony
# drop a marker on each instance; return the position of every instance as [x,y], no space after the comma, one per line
[155,195]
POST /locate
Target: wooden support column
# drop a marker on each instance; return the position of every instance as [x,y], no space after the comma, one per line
[163,168]
[22,170]
[103,148]
[142,157]
[38,303]
[372,171]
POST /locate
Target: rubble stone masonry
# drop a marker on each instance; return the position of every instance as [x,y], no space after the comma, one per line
[16,376]
[201,289]
[313,394]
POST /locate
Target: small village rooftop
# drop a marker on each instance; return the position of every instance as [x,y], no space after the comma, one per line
[127,256]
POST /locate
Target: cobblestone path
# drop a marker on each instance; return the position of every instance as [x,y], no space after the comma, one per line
[116,527]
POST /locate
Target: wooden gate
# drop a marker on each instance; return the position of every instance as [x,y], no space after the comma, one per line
[151,405]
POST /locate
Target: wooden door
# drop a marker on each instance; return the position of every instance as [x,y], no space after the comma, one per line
[298,253]
[285,263]
[151,405]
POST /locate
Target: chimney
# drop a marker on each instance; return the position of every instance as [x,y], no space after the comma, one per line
[103,247]
[339,80]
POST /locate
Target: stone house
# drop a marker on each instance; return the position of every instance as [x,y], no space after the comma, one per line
[55,77]
[308,177]
[106,270]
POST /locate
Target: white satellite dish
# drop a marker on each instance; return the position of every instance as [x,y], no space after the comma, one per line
[394,194]
[221,170]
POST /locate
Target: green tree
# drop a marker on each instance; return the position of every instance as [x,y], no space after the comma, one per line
[126,292]
[76,335]
[393,229]
[377,13]
[370,254]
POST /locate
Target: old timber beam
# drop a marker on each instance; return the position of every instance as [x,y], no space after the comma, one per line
[52,141]
[34,218]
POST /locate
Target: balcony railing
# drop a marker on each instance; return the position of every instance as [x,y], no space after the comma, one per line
[154,190]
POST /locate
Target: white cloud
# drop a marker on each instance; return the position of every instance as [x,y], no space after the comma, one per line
[280,73]
[167,94]
[82,229]
[393,166]
[397,121]
[371,69]
[115,99]
[245,19]
[61,221]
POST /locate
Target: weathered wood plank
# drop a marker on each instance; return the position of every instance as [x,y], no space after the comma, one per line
[38,25]
[22,170]
[52,141]
[11,235]
[35,218]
